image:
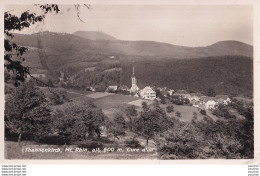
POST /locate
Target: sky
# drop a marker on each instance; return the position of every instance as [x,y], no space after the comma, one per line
[187,25]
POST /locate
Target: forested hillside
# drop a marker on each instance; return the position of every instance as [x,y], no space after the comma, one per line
[225,66]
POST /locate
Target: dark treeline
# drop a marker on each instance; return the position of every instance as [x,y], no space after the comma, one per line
[230,75]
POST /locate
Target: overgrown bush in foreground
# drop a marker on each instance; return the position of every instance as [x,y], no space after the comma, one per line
[77,122]
[229,139]
[26,112]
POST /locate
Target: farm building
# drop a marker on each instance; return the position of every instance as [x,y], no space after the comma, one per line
[183,94]
[222,99]
[148,93]
[195,97]
[111,89]
[211,104]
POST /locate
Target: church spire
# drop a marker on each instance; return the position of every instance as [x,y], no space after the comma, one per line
[133,71]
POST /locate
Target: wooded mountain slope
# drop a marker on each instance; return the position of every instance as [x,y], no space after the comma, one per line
[226,66]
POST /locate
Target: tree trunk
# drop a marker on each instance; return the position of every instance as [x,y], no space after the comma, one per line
[19,138]
[114,140]
[147,139]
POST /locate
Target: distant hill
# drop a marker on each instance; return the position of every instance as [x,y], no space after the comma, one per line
[56,42]
[94,35]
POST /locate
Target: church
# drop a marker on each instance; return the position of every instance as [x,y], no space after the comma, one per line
[134,89]
[146,93]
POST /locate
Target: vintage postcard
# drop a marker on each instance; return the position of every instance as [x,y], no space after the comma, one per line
[129,81]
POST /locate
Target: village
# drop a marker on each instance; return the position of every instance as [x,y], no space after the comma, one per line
[197,100]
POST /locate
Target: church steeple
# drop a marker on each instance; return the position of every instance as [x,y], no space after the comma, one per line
[134,87]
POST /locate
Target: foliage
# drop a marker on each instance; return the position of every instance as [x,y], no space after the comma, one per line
[131,111]
[133,143]
[203,112]
[76,122]
[145,106]
[26,113]
[178,114]
[58,98]
[195,116]
[179,100]
[150,123]
[169,109]
[211,92]
[14,53]
[226,139]
[222,111]
[160,96]
[123,92]
[117,127]
[244,110]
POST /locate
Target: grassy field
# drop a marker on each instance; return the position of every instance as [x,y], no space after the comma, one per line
[72,94]
[185,110]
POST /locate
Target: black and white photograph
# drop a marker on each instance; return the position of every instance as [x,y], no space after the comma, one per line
[128,82]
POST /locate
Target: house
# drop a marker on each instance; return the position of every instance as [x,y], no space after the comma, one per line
[123,87]
[183,94]
[195,97]
[196,104]
[166,91]
[171,92]
[111,89]
[222,99]
[148,93]
[211,104]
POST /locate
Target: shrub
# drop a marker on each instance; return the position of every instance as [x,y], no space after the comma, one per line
[58,98]
[133,143]
[203,112]
[169,109]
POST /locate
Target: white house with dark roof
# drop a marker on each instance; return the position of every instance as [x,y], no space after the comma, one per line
[148,93]
[111,88]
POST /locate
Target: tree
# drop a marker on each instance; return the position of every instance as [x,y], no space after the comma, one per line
[13,56]
[26,112]
[195,116]
[178,114]
[150,123]
[203,112]
[58,98]
[145,106]
[76,122]
[169,109]
[211,92]
[117,126]
[131,111]
[13,53]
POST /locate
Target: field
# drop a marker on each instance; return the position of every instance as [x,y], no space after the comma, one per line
[186,112]
[113,104]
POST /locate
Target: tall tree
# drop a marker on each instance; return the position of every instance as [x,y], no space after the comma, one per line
[14,53]
[150,123]
[13,56]
[25,111]
[76,122]
[117,126]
